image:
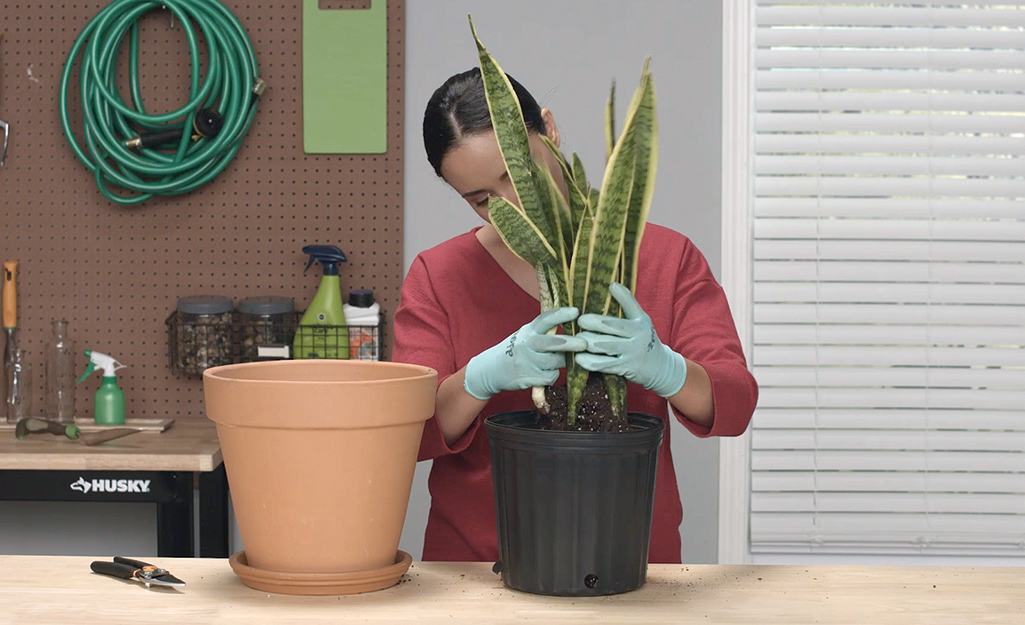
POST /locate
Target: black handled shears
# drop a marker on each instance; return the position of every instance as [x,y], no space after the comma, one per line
[137,571]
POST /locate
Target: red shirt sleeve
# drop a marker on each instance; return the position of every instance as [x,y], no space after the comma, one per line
[423,337]
[703,332]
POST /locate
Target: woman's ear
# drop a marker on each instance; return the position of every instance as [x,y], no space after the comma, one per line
[551,130]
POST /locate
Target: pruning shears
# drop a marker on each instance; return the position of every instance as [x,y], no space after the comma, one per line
[33,425]
[136,571]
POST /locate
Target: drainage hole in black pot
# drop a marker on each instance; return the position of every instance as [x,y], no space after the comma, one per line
[591,580]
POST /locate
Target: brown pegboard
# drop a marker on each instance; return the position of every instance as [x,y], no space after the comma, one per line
[115,273]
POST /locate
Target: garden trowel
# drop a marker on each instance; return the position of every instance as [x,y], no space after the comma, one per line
[33,425]
[95,438]
[10,321]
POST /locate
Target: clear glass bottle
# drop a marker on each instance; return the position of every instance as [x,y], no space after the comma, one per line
[8,354]
[60,374]
[19,388]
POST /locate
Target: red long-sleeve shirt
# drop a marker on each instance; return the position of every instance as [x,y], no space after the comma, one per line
[457,301]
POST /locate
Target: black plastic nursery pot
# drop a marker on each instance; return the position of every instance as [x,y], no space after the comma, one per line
[573,509]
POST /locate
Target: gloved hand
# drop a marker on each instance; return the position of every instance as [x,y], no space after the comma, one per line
[630,347]
[529,357]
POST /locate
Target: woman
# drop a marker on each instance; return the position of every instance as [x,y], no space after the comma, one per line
[469,309]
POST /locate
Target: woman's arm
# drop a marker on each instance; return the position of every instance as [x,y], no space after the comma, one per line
[694,399]
[455,408]
[719,394]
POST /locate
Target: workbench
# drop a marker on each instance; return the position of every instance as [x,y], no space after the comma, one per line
[163,468]
[59,589]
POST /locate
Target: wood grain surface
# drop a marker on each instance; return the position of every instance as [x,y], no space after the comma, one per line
[188,445]
[46,589]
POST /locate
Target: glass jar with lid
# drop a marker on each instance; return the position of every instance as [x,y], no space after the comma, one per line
[265,320]
[203,333]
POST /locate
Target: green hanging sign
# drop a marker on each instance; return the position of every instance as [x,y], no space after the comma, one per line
[345,79]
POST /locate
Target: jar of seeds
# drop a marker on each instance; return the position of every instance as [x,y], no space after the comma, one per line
[266,320]
[203,333]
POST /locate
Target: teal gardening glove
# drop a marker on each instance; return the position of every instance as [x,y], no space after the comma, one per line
[630,347]
[529,357]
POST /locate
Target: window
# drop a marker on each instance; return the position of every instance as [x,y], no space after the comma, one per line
[889,278]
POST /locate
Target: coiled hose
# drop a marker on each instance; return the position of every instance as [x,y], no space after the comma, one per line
[230,90]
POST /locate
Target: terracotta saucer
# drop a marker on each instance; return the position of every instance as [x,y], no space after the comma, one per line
[320,583]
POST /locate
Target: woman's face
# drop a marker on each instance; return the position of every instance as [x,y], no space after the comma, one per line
[475,169]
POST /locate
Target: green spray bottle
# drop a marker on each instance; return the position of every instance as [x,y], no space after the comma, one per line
[322,332]
[109,403]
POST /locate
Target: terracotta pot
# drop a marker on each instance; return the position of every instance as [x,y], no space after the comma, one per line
[320,457]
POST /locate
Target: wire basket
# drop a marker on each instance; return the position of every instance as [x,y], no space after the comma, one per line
[195,345]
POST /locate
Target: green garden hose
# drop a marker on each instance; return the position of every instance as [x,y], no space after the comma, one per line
[230,91]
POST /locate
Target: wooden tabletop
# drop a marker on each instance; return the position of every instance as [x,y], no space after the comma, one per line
[57,589]
[188,445]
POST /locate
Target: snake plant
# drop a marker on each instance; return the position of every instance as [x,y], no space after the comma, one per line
[582,243]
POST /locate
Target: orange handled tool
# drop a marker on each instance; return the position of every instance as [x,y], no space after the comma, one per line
[10,295]
[10,320]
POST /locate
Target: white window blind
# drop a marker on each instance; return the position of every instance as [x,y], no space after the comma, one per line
[889,278]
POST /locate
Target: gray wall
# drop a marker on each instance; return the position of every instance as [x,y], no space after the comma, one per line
[566,52]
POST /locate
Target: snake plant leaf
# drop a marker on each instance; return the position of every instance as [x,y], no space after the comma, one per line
[554,149]
[552,294]
[544,290]
[560,218]
[579,175]
[559,215]
[642,115]
[513,138]
[637,148]
[555,201]
[577,197]
[546,293]
[580,204]
[579,261]
[607,232]
[615,386]
[576,376]
[625,199]
[521,235]
[556,153]
[612,307]
[559,295]
[610,122]
[551,288]
[576,380]
[598,254]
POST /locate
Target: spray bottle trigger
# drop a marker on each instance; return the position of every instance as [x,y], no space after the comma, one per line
[88,372]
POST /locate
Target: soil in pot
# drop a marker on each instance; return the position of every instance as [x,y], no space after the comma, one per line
[593,415]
